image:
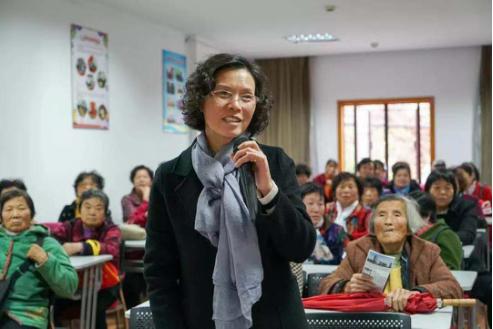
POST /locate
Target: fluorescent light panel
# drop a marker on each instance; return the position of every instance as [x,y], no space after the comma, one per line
[316,37]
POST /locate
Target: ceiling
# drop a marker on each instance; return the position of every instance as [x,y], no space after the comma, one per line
[256,28]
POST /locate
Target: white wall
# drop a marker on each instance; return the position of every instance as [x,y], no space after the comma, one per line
[450,75]
[37,141]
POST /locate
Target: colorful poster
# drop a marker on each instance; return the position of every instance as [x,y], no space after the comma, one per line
[89,68]
[174,78]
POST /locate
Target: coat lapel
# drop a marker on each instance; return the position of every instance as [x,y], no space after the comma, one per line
[188,185]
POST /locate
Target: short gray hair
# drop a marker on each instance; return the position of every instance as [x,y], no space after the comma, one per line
[414,220]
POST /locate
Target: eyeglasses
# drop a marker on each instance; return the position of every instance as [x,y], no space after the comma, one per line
[223,97]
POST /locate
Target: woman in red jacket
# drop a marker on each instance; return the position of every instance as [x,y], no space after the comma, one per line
[135,204]
[347,209]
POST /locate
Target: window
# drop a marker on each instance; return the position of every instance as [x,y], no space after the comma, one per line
[389,130]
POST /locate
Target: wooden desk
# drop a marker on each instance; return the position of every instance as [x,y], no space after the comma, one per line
[91,282]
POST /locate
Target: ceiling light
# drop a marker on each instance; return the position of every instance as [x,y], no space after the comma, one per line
[316,37]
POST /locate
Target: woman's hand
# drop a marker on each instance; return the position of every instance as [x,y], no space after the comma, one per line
[73,248]
[37,254]
[250,152]
[360,283]
[144,192]
[398,299]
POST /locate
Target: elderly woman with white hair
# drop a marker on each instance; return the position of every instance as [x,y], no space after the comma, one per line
[417,267]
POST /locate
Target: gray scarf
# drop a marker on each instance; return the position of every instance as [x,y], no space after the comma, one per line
[223,218]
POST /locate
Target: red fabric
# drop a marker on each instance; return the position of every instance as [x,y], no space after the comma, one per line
[356,223]
[355,302]
[368,302]
[421,303]
[139,217]
[482,192]
[325,183]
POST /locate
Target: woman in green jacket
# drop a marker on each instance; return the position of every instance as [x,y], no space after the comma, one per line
[27,304]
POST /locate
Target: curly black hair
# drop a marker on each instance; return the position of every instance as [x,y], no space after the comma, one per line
[203,81]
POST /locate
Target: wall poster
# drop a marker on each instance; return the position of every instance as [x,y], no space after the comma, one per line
[89,68]
[174,78]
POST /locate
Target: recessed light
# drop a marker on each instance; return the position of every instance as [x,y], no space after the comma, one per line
[311,37]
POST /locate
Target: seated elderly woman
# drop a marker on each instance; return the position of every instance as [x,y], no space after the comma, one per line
[418,266]
[92,234]
[27,303]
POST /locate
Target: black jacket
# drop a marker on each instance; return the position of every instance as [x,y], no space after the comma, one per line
[179,262]
[68,212]
[462,218]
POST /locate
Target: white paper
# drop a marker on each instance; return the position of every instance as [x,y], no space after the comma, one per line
[378,266]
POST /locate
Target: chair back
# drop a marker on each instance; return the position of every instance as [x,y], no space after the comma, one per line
[374,320]
[313,283]
[141,318]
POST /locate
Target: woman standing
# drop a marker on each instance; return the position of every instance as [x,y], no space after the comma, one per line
[207,263]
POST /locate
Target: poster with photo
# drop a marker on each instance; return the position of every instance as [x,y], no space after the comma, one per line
[89,67]
[174,78]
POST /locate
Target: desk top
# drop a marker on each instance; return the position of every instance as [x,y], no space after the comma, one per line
[82,262]
[437,320]
[316,268]
[137,244]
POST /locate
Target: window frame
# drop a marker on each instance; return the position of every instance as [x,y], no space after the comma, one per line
[385,102]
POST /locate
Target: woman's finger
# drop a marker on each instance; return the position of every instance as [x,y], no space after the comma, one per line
[252,144]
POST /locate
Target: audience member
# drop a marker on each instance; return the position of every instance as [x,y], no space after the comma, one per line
[325,179]
[418,266]
[9,184]
[347,210]
[92,234]
[365,168]
[402,183]
[474,187]
[331,237]
[372,191]
[458,213]
[380,172]
[135,204]
[438,165]
[85,181]
[27,302]
[437,231]
[303,173]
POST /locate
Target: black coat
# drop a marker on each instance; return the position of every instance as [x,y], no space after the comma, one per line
[462,219]
[179,261]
